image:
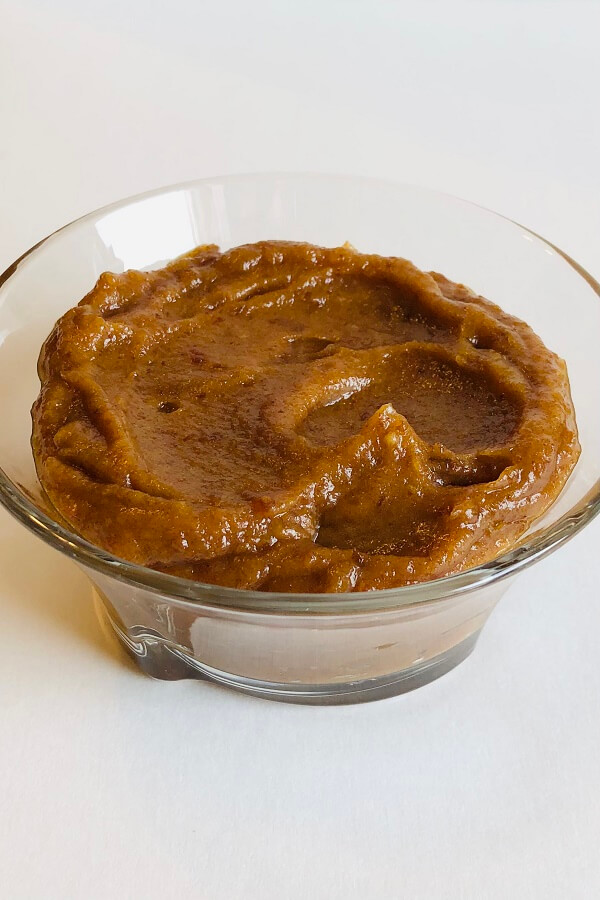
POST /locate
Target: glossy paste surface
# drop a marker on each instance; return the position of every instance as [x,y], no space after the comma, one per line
[286,417]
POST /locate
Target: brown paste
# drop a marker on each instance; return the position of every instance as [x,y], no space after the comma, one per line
[286,417]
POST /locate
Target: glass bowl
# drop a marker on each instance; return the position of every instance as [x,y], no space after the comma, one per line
[328,648]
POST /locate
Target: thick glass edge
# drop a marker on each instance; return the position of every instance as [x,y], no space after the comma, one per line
[192,593]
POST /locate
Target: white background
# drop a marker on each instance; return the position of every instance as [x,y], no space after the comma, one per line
[485,784]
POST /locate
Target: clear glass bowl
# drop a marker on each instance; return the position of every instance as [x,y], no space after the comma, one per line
[332,648]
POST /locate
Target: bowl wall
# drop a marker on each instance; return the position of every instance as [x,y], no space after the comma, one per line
[307,658]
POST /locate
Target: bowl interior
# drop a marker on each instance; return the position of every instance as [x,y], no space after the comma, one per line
[497,258]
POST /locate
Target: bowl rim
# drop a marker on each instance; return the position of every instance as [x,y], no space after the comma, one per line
[191,594]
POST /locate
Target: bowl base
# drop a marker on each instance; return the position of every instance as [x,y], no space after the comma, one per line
[337,694]
[166,661]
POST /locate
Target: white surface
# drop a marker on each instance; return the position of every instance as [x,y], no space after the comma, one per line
[482,785]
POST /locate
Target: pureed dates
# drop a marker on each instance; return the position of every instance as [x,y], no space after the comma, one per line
[286,417]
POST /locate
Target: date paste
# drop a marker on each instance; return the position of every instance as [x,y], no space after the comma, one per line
[285,417]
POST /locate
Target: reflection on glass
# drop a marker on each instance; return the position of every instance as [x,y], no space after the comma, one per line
[136,234]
